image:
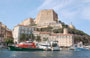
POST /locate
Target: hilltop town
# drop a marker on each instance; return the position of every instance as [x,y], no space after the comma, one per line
[45,27]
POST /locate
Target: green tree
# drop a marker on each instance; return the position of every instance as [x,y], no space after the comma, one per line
[58,30]
[45,39]
[8,41]
[38,38]
[31,36]
[23,37]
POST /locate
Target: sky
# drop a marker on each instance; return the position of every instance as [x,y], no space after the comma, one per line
[13,12]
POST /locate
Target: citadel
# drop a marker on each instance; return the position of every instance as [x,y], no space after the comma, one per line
[44,19]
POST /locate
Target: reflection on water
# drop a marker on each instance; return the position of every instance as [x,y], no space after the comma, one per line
[44,54]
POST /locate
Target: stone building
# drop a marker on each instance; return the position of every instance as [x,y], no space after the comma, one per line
[1,36]
[4,32]
[64,39]
[29,21]
[21,29]
[9,34]
[43,35]
[47,18]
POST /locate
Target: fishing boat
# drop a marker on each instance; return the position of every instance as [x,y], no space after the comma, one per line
[25,46]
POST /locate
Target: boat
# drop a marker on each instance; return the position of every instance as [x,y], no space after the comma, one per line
[46,46]
[78,47]
[49,46]
[25,46]
[1,46]
[87,47]
[54,46]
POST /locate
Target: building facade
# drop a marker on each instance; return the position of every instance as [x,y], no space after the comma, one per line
[4,32]
[21,29]
[64,39]
[47,18]
[29,21]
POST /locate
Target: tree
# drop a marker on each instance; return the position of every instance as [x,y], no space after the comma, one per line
[38,38]
[31,36]
[58,30]
[45,39]
[23,37]
[8,41]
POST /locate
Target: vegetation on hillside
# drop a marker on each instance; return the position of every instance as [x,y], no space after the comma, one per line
[85,37]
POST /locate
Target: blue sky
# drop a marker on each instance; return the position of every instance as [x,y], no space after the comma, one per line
[12,12]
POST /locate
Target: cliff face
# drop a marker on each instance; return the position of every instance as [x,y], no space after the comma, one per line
[45,17]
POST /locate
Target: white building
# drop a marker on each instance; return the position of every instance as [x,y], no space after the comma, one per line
[21,29]
[64,40]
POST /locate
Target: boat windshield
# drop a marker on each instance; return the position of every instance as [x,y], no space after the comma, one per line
[46,45]
[54,45]
[21,43]
[25,43]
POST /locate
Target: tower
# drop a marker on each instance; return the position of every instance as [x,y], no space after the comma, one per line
[46,17]
[65,31]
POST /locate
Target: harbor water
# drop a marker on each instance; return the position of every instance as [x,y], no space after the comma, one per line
[4,53]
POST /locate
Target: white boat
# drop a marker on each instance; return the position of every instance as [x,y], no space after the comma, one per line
[87,47]
[1,46]
[53,46]
[45,46]
[78,47]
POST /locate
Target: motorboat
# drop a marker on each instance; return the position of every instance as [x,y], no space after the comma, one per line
[49,46]
[78,47]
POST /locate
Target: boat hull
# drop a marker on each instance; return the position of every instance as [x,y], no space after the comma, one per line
[13,48]
[81,49]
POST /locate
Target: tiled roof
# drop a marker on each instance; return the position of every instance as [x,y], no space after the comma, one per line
[25,25]
[61,34]
[44,32]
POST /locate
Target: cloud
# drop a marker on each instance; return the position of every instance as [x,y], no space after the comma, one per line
[54,4]
[69,9]
[86,1]
[86,13]
[66,14]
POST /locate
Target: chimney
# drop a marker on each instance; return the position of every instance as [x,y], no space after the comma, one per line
[65,31]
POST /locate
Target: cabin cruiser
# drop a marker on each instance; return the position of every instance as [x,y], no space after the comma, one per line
[50,46]
[46,46]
